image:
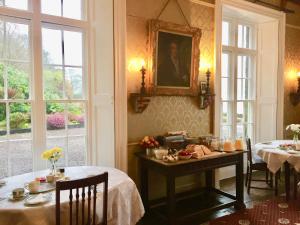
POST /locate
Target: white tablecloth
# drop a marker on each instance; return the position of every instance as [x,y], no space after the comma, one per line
[124,203]
[275,158]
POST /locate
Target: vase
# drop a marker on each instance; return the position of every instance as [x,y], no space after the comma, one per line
[53,169]
[295,138]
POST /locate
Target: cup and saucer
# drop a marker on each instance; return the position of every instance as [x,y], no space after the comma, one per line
[18,194]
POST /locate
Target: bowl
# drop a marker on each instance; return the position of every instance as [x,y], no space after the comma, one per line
[185,157]
[160,153]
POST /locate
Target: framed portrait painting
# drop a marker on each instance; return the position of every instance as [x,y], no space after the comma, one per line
[175,58]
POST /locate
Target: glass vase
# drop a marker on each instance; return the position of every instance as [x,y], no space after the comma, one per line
[53,168]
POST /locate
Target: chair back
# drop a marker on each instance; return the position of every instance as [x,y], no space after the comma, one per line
[79,187]
[249,151]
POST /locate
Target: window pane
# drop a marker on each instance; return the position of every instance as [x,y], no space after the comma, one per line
[226,65]
[4,159]
[2,70]
[226,89]
[3,128]
[1,39]
[226,132]
[244,66]
[226,113]
[244,112]
[20,120]
[73,83]
[67,8]
[18,75]
[17,4]
[21,159]
[56,119]
[225,33]
[244,36]
[72,9]
[76,119]
[53,82]
[244,89]
[73,48]
[76,151]
[52,7]
[17,41]
[244,131]
[52,46]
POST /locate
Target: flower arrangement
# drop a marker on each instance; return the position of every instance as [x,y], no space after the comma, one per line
[149,142]
[295,129]
[52,155]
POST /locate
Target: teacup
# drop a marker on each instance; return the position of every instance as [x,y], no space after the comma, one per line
[18,193]
[33,186]
[50,178]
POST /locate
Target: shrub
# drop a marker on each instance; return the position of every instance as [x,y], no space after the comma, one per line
[76,119]
[56,121]
[18,120]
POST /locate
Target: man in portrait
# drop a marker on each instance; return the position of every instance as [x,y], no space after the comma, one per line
[174,60]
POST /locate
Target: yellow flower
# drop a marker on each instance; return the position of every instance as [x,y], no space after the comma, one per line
[55,153]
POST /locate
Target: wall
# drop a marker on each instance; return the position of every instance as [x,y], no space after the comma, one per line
[165,113]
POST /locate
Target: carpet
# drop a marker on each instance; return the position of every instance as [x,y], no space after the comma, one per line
[270,212]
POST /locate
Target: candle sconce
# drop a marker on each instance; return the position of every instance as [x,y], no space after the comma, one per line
[295,96]
[140,101]
[206,98]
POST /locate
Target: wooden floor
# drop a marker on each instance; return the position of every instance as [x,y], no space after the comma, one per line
[228,185]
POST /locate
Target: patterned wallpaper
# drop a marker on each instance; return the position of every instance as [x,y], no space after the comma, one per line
[174,112]
[292,113]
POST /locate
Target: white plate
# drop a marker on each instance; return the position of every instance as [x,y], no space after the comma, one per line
[2,182]
[293,152]
[38,199]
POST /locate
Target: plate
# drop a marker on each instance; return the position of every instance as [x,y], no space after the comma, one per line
[2,182]
[38,199]
[293,152]
[44,187]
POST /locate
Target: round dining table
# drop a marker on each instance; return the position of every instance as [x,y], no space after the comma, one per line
[276,157]
[124,203]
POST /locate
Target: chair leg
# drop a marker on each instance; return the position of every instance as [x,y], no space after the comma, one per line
[276,182]
[247,176]
[295,184]
[271,180]
[249,181]
[267,176]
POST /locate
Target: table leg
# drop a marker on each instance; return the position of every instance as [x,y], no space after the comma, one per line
[287,172]
[144,186]
[239,184]
[171,199]
[209,178]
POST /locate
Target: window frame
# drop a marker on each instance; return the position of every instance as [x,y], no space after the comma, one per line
[38,110]
[235,51]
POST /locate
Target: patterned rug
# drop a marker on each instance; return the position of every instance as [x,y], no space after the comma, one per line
[270,212]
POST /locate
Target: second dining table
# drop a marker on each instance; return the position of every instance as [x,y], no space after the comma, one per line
[124,203]
[276,157]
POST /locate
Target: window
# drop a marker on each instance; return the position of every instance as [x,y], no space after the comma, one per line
[238,80]
[60,76]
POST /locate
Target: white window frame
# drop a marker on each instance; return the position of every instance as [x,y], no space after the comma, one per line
[234,52]
[37,19]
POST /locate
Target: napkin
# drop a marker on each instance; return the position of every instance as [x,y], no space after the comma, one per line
[36,200]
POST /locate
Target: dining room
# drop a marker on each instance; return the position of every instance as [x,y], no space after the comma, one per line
[149,112]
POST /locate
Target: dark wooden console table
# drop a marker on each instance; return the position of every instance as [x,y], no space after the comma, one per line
[177,209]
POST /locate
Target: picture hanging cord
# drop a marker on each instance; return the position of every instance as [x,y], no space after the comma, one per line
[179,7]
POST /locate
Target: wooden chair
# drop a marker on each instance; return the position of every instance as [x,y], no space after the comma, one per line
[257,164]
[80,185]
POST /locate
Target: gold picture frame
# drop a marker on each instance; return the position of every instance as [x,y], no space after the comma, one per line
[175,58]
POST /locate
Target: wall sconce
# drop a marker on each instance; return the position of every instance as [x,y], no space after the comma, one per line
[206,98]
[295,96]
[141,100]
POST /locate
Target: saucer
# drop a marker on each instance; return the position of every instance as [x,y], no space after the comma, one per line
[38,199]
[2,182]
